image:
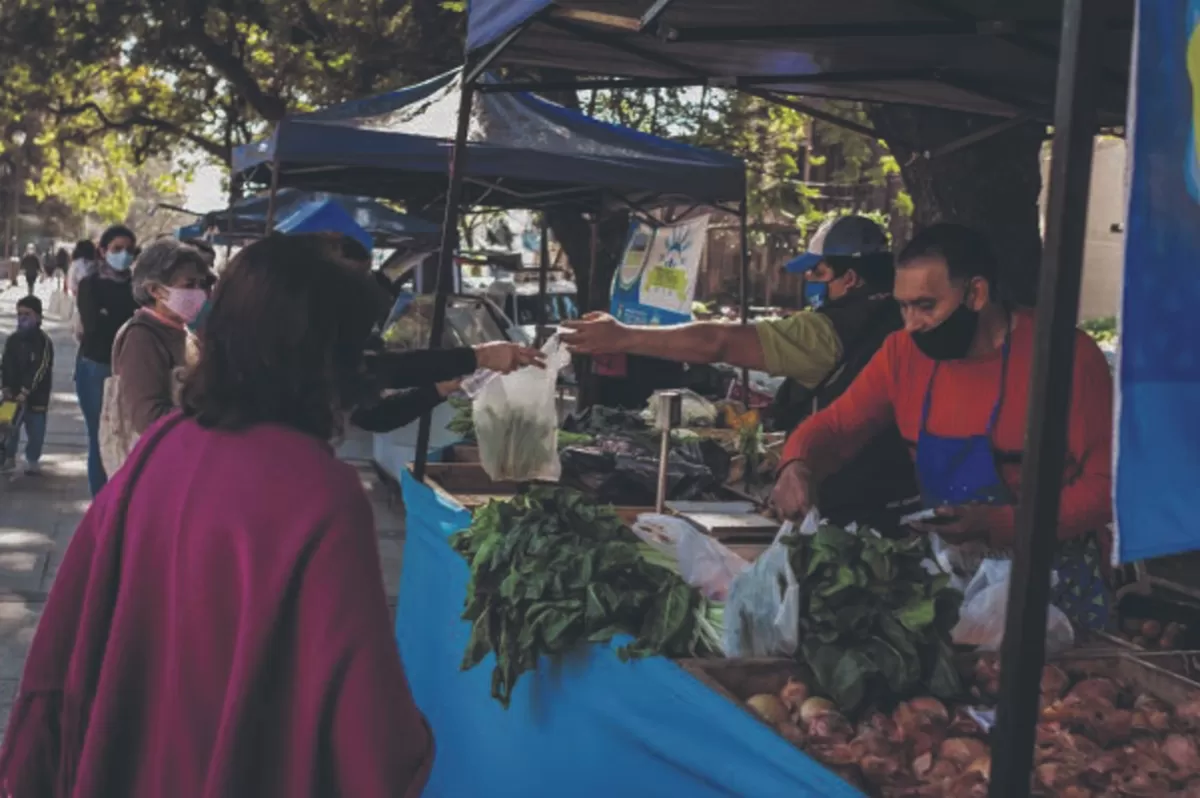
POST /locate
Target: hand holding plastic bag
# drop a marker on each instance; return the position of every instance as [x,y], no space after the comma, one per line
[704,563]
[985,607]
[516,420]
[762,613]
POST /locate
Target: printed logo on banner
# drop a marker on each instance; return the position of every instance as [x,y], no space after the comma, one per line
[657,277]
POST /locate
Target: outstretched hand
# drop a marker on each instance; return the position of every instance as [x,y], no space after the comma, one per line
[505,357]
[595,334]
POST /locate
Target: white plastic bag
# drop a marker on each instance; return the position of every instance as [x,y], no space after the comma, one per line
[694,410]
[704,563]
[516,420]
[762,614]
[985,605]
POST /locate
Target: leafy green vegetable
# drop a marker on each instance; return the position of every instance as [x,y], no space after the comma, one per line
[874,623]
[551,571]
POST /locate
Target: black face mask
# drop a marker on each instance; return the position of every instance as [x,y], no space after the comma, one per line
[952,339]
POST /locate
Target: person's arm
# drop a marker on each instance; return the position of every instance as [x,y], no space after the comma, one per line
[698,342]
[396,411]
[831,438]
[377,742]
[417,368]
[43,370]
[145,369]
[10,380]
[87,305]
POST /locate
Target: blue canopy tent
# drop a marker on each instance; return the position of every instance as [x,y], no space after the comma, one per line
[526,152]
[246,219]
[1063,62]
[324,216]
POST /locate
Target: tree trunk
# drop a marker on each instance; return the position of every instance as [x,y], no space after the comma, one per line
[992,185]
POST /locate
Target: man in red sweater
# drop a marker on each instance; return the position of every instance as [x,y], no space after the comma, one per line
[956,383]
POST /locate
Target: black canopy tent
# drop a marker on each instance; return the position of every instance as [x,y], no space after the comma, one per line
[1064,62]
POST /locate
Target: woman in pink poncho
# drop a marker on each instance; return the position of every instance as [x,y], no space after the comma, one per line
[218,627]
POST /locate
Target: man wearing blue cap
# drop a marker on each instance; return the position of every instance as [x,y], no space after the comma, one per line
[849,275]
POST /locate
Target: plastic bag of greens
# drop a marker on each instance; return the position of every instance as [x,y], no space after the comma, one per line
[704,563]
[516,421]
[762,613]
[985,607]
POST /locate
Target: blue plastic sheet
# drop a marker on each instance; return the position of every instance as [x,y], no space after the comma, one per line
[1158,426]
[588,725]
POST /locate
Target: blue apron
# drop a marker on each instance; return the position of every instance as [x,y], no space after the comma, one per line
[960,471]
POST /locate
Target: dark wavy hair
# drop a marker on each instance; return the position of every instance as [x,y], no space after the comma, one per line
[284,341]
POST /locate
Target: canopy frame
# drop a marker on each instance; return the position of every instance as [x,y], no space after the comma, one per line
[1075,117]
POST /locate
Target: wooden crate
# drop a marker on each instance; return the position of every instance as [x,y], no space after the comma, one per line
[738,679]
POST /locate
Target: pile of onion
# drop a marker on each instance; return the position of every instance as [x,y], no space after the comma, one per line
[1097,739]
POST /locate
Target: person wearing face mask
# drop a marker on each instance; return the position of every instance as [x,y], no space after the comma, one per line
[849,273]
[104,304]
[956,383]
[26,371]
[170,282]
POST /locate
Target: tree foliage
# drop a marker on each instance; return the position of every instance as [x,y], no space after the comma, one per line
[121,81]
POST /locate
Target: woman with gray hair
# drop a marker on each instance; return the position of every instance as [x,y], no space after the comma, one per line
[170,282]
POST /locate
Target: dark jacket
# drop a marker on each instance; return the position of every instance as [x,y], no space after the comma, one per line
[104,307]
[883,473]
[28,365]
[416,372]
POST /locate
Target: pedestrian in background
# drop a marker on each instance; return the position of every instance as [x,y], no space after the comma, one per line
[170,282]
[227,581]
[31,266]
[105,303]
[26,372]
[83,263]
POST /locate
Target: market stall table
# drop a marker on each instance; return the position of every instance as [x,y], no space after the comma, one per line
[588,725]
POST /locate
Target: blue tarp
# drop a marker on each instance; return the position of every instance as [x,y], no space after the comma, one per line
[1158,423]
[323,216]
[523,152]
[891,51]
[388,228]
[589,725]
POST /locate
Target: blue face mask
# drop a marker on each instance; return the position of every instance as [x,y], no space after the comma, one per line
[815,294]
[119,261]
[27,323]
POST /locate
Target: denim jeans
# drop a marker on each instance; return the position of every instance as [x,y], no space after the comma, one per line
[35,436]
[89,387]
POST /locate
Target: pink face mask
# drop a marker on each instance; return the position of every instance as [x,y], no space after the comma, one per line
[186,302]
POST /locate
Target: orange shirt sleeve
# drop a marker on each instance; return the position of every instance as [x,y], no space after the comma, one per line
[831,438]
[1086,501]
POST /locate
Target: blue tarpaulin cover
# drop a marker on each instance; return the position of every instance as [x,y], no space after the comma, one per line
[944,54]
[523,152]
[589,725]
[1158,422]
[323,216]
[247,218]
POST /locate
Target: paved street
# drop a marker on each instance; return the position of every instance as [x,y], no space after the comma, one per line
[38,515]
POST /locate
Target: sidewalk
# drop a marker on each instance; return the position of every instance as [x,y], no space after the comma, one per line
[38,515]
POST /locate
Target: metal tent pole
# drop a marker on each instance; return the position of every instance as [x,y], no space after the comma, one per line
[744,286]
[271,196]
[543,279]
[1023,651]
[449,244]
